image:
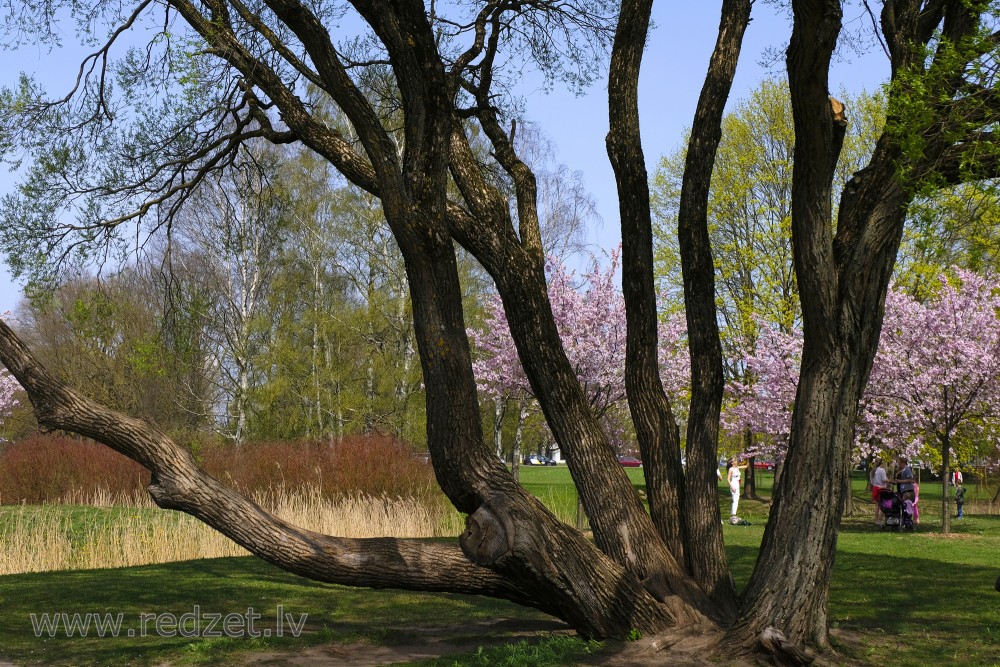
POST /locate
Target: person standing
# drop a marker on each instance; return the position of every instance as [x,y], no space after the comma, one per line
[904,478]
[880,480]
[733,477]
[959,498]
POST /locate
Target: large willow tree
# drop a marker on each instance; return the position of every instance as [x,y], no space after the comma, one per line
[113,162]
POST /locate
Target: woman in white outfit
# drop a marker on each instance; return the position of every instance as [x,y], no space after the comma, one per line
[733,477]
[880,480]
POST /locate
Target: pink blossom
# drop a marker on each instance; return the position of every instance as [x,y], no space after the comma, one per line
[590,316]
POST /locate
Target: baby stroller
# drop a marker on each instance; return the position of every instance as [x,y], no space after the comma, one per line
[894,509]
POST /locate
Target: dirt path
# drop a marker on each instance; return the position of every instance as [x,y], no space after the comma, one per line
[412,643]
[427,643]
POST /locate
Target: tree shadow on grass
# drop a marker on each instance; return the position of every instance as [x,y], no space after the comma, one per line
[903,599]
[221,586]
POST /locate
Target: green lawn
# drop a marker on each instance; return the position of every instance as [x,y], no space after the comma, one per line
[912,599]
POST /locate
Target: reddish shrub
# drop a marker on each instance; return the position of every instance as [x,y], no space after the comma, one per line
[371,464]
[46,467]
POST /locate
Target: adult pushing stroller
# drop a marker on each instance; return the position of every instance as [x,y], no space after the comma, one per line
[897,515]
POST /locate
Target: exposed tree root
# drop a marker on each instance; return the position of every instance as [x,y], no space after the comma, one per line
[773,649]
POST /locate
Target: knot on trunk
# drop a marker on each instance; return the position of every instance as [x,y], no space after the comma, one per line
[487,538]
[169,493]
[774,649]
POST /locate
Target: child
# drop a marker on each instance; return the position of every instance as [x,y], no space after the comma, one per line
[959,498]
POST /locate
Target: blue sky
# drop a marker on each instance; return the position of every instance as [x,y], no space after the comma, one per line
[672,74]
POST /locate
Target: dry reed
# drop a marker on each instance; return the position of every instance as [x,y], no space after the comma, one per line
[45,537]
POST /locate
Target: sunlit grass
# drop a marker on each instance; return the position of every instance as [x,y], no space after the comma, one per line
[36,538]
[909,598]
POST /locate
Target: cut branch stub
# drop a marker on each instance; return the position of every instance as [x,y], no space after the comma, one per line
[487,538]
[839,115]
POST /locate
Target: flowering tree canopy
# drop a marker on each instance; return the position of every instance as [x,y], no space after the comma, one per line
[8,387]
[937,369]
[590,316]
[938,363]
[763,401]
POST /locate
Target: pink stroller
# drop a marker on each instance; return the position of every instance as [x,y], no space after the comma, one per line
[895,510]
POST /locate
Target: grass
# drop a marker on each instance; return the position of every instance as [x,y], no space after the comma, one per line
[225,585]
[916,599]
[57,537]
[554,486]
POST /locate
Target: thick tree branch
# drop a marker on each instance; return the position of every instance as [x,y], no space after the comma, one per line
[698,268]
[178,483]
[656,428]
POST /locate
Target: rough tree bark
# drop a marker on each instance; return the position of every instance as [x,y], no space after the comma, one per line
[685,508]
[843,275]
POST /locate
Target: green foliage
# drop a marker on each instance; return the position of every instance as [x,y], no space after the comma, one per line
[750,210]
[107,337]
[957,227]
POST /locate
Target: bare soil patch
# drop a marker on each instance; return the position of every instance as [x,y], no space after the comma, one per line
[410,644]
[423,643]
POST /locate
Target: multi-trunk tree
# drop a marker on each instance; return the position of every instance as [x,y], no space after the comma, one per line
[245,66]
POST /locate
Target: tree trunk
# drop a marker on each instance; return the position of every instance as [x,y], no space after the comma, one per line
[499,408]
[789,586]
[656,428]
[945,482]
[750,483]
[518,432]
[701,510]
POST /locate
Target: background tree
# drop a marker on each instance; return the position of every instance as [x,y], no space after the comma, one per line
[749,215]
[107,336]
[938,370]
[234,226]
[956,227]
[933,380]
[750,209]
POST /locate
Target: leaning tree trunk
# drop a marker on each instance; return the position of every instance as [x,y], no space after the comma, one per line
[945,482]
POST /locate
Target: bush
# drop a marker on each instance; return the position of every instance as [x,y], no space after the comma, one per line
[368,464]
[50,468]
[47,468]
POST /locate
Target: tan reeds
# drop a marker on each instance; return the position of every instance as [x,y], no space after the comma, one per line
[35,538]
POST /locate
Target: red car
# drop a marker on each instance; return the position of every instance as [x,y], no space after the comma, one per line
[763,465]
[629,462]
